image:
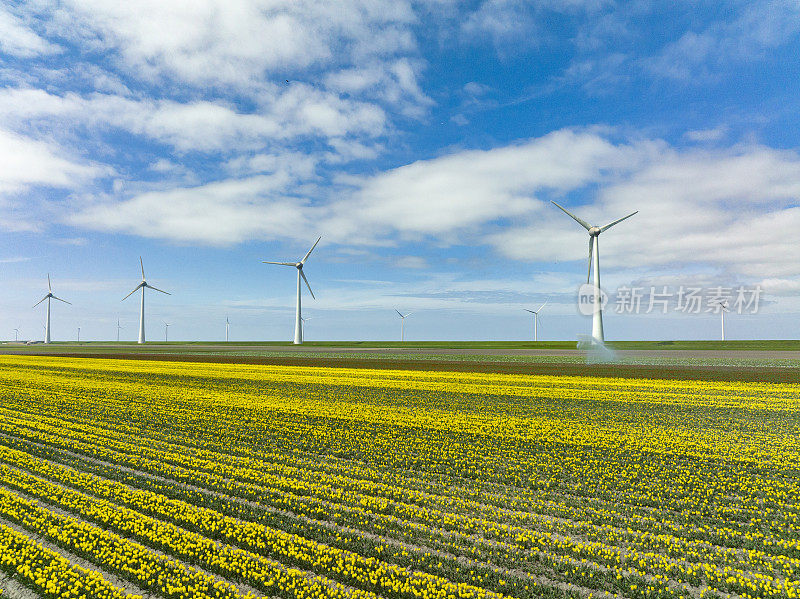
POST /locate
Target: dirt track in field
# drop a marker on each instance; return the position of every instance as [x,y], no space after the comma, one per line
[672,372]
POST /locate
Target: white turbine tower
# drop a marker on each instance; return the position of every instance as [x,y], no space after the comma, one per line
[536,320]
[298,320]
[79,335]
[118,329]
[48,297]
[402,324]
[166,330]
[227,327]
[143,285]
[594,264]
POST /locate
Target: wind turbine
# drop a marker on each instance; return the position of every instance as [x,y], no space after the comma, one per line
[144,284]
[594,263]
[303,320]
[79,335]
[16,334]
[298,321]
[166,330]
[723,307]
[47,297]
[536,320]
[402,324]
[227,327]
[118,329]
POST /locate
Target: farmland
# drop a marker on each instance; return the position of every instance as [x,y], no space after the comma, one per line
[181,479]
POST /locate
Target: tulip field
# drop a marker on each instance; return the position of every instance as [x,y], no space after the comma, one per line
[136,478]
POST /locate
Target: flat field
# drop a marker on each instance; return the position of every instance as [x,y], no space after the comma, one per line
[183,479]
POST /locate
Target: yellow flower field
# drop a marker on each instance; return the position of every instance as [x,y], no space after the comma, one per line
[141,478]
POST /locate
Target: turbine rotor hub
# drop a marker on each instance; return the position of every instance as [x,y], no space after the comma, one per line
[594,231]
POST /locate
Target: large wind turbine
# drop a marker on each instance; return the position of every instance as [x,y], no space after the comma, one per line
[723,307]
[298,322]
[594,263]
[227,327]
[48,297]
[402,324]
[119,326]
[166,331]
[536,320]
[144,284]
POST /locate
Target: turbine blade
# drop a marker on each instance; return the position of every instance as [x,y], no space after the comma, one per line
[581,222]
[156,289]
[531,311]
[49,288]
[609,225]
[135,289]
[40,301]
[281,263]
[142,265]
[303,261]
[591,246]
[398,313]
[302,274]
[59,299]
[543,305]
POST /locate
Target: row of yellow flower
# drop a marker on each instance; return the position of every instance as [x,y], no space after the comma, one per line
[635,467]
[229,560]
[409,511]
[48,573]
[694,573]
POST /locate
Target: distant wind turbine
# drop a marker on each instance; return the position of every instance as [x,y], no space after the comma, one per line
[143,285]
[16,334]
[723,307]
[402,324]
[118,329]
[227,327]
[166,330]
[48,297]
[594,263]
[303,320]
[536,320]
[298,322]
[79,334]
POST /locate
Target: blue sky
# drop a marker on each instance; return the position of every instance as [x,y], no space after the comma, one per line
[424,140]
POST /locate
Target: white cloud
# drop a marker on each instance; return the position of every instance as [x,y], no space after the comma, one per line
[220,213]
[18,39]
[200,125]
[471,188]
[415,262]
[732,210]
[758,27]
[28,162]
[235,42]
[780,287]
[704,135]
[392,82]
